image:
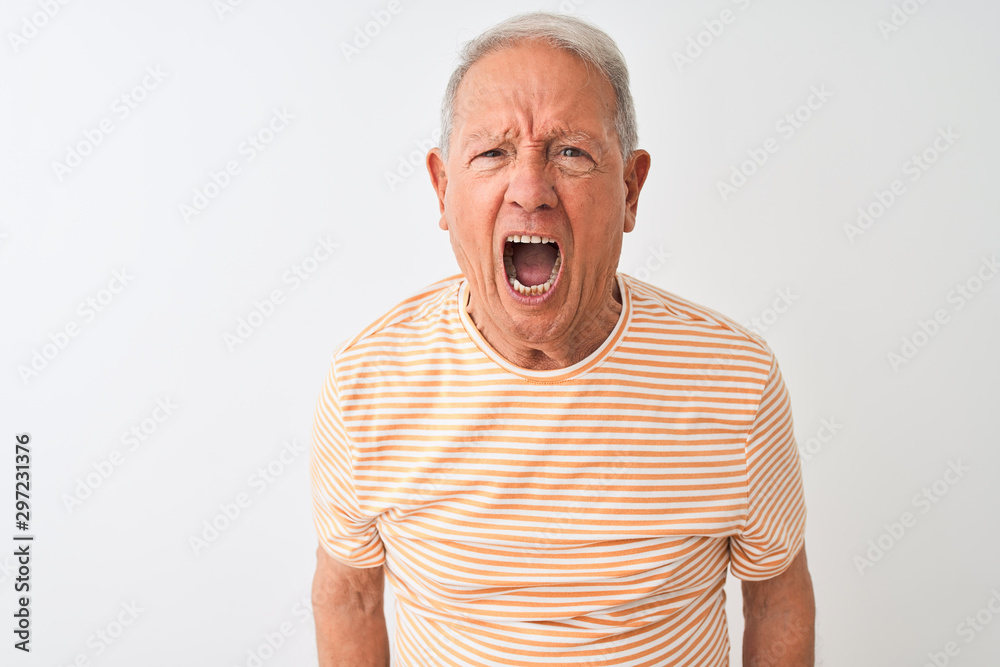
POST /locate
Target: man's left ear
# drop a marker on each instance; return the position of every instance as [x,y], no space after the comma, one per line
[636,170]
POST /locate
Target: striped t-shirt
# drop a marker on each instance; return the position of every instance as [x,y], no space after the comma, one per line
[578,516]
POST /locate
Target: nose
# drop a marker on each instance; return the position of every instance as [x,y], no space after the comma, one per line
[531,184]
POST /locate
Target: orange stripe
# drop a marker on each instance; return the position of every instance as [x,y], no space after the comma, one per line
[426,457]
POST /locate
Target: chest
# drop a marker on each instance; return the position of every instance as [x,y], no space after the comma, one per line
[551,467]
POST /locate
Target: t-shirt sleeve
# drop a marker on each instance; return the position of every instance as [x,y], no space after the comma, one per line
[774,531]
[345,531]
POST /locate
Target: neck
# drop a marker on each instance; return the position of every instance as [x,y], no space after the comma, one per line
[593,326]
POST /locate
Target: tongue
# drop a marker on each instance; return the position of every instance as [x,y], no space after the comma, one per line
[534,262]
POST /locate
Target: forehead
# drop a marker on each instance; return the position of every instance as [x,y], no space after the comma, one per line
[537,89]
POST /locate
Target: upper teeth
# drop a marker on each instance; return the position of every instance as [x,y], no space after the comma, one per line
[514,238]
[508,262]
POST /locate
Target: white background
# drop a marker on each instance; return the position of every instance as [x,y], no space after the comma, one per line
[854,298]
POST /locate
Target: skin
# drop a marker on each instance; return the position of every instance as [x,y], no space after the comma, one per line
[348,609]
[779,618]
[534,151]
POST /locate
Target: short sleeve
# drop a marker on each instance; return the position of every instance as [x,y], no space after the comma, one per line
[347,533]
[774,531]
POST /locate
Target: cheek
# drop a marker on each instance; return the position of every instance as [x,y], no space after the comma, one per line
[471,232]
[476,210]
[599,221]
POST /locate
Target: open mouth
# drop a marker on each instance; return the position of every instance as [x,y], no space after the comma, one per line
[532,263]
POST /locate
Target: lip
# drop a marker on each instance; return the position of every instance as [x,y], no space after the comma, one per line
[524,299]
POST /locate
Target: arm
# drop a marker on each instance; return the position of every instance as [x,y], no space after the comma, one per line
[347,606]
[780,615]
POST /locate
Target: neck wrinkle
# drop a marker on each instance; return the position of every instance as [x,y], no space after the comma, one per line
[535,359]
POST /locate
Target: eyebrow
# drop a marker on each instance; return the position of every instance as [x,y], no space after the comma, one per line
[489,137]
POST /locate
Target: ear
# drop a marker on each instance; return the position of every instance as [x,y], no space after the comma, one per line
[439,180]
[636,171]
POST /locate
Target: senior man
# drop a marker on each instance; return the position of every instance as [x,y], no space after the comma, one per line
[553,462]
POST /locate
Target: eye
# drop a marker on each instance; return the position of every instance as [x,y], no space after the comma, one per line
[573,161]
[492,153]
[570,151]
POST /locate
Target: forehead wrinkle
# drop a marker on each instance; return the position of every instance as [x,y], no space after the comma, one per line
[526,101]
[572,136]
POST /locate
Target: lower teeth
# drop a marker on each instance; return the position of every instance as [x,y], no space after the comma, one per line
[533,290]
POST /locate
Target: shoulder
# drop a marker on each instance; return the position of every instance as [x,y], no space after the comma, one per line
[421,309]
[660,313]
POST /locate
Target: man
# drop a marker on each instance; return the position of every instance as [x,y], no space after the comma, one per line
[552,462]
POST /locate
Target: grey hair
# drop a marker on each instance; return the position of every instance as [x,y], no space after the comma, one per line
[588,42]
